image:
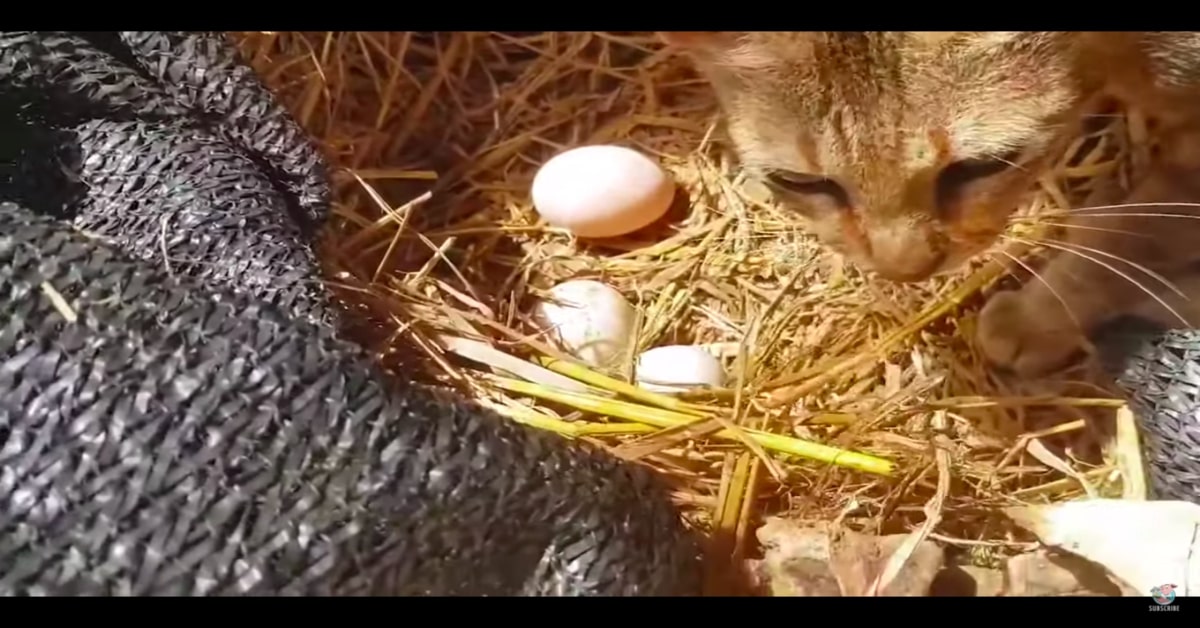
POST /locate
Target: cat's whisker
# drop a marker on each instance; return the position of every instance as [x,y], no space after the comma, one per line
[1049,287]
[1087,228]
[1080,210]
[1014,165]
[1113,215]
[1163,280]
[1106,265]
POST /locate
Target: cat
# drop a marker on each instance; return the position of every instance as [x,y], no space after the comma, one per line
[908,153]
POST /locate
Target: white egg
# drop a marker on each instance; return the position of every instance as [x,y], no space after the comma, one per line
[589,320]
[602,191]
[675,368]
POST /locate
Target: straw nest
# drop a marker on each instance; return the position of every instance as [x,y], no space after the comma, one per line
[437,137]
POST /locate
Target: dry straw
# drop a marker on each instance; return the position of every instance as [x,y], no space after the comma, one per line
[854,400]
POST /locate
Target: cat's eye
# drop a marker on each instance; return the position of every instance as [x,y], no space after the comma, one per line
[968,170]
[960,173]
[808,184]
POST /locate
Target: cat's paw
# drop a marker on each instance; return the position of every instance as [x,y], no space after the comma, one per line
[1026,341]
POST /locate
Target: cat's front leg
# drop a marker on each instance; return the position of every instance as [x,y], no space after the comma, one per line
[1030,331]
[1047,322]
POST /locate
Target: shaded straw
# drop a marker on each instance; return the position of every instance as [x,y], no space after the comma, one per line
[438,136]
[667,418]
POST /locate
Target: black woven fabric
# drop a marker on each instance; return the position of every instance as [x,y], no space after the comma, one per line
[1159,370]
[197,170]
[177,415]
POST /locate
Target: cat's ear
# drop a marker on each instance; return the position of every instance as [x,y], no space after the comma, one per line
[704,43]
[729,49]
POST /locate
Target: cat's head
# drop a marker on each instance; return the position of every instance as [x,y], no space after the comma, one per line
[907,152]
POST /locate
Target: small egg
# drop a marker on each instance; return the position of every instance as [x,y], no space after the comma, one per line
[602,191]
[589,320]
[675,368]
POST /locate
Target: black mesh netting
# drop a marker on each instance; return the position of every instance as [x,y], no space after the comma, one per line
[177,414]
[1159,370]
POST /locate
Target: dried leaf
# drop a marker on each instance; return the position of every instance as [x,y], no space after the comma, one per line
[858,559]
[968,581]
[795,560]
[818,559]
[1038,450]
[1145,544]
[1046,574]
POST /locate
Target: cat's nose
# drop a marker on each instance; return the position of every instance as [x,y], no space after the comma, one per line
[905,253]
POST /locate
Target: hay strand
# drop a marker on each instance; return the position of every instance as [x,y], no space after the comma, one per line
[437,137]
[667,419]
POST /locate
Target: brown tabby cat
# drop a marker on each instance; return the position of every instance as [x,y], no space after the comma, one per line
[909,151]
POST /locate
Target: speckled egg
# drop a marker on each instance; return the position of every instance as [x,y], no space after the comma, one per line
[588,319]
